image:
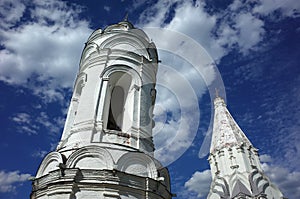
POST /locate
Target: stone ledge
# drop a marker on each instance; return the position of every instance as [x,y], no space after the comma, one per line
[58,182]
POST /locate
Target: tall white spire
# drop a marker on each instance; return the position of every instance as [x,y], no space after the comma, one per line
[228,131]
[235,166]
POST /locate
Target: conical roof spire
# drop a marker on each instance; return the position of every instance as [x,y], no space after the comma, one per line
[234,162]
[226,131]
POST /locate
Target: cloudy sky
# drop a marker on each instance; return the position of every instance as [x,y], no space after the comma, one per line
[247,49]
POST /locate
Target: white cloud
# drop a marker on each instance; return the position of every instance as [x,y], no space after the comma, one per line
[251,31]
[43,53]
[174,139]
[287,181]
[9,180]
[218,33]
[237,26]
[239,29]
[189,18]
[290,8]
[155,15]
[106,8]
[22,118]
[39,153]
[10,12]
[176,115]
[137,3]
[265,158]
[52,124]
[195,22]
[24,124]
[31,124]
[235,5]
[199,183]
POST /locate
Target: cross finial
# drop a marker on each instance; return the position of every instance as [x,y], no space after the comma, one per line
[217,92]
[126,17]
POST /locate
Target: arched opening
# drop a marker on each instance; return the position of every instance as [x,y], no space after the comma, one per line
[115,116]
[119,102]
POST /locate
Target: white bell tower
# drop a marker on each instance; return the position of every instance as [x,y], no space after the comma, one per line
[106,149]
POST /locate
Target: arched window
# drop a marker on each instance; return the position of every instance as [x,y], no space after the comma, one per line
[116,109]
[119,102]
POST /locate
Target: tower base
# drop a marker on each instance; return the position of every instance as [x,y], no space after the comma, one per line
[75,183]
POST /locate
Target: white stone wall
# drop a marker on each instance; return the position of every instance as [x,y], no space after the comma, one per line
[106,149]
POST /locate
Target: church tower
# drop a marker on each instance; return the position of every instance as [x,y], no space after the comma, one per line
[235,166]
[106,148]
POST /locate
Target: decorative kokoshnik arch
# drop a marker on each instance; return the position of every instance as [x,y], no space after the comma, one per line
[50,163]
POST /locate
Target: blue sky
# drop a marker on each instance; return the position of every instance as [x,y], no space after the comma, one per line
[255,46]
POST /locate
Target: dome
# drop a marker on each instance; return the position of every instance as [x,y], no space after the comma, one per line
[126,26]
[121,26]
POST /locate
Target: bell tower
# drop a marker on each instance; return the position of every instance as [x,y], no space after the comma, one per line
[106,148]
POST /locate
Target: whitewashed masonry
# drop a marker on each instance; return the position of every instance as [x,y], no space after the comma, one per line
[106,149]
[234,162]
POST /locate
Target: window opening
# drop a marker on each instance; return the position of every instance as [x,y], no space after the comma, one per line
[116,109]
